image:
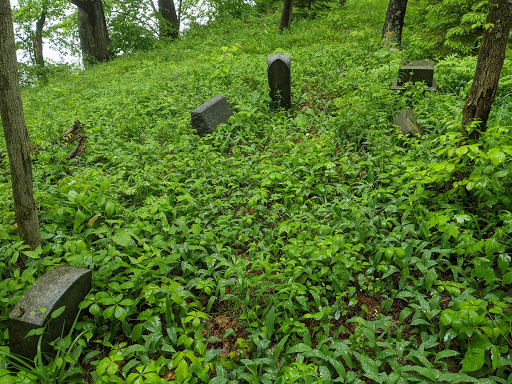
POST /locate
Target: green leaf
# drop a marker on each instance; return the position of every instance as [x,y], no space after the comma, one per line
[181,371]
[94,309]
[120,313]
[136,332]
[446,353]
[473,360]
[122,238]
[495,357]
[298,348]
[109,209]
[58,312]
[496,155]
[269,322]
[456,378]
[430,278]
[504,262]
[368,364]
[108,312]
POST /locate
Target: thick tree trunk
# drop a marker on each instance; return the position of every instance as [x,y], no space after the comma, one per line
[392,31]
[487,74]
[16,134]
[37,40]
[170,24]
[286,17]
[92,29]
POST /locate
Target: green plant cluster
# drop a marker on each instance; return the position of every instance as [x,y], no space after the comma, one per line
[316,245]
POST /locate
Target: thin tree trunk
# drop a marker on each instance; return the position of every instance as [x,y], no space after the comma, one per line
[92,30]
[394,23]
[488,68]
[37,39]
[170,25]
[16,134]
[286,16]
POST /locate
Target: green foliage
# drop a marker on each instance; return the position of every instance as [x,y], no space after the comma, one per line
[311,245]
[446,26]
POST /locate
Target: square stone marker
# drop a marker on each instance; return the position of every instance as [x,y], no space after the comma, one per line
[422,71]
[62,286]
[209,115]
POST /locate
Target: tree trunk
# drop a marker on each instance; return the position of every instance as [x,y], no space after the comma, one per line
[392,31]
[487,74]
[37,40]
[92,30]
[170,24]
[16,134]
[286,17]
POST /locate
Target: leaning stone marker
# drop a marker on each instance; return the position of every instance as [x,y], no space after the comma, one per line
[407,121]
[279,80]
[417,71]
[62,286]
[208,116]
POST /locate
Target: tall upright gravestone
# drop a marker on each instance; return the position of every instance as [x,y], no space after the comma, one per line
[279,80]
[62,286]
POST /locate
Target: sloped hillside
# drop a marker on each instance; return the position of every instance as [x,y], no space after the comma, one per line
[315,245]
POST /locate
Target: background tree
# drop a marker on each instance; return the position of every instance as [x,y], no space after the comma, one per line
[16,134]
[393,25]
[133,25]
[487,74]
[446,26]
[170,22]
[286,16]
[92,29]
[38,19]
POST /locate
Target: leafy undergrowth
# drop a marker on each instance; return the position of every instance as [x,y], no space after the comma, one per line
[309,246]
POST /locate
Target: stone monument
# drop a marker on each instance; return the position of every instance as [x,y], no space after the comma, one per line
[279,80]
[417,71]
[209,115]
[407,121]
[62,286]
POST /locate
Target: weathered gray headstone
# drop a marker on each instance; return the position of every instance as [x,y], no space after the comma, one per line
[417,71]
[209,115]
[407,121]
[279,80]
[62,286]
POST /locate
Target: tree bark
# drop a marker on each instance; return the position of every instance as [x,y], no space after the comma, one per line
[37,40]
[286,16]
[394,23]
[170,23]
[488,68]
[92,30]
[16,135]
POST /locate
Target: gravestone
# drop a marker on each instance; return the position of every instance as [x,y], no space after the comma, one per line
[62,286]
[209,115]
[417,71]
[279,80]
[407,121]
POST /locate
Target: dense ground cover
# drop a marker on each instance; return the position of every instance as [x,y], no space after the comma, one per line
[311,246]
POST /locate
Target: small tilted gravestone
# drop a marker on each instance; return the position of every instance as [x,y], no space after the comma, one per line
[279,80]
[417,71]
[62,286]
[408,123]
[209,115]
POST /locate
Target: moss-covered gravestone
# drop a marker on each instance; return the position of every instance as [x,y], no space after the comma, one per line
[279,80]
[208,116]
[62,286]
[408,123]
[413,72]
